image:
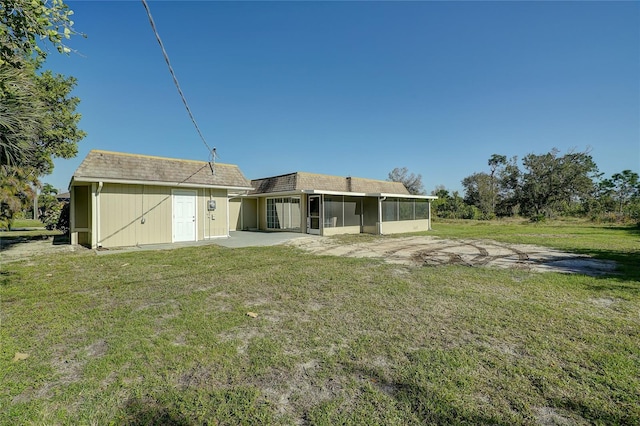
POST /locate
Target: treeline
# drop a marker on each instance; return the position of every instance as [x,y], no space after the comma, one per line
[543,186]
[38,118]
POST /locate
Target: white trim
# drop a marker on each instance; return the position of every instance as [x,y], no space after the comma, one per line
[159,183]
[421,197]
[94,220]
[73,233]
[323,192]
[353,194]
[227,203]
[380,200]
[98,191]
[277,194]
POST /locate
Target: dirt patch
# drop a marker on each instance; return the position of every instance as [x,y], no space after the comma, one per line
[548,416]
[433,251]
[12,250]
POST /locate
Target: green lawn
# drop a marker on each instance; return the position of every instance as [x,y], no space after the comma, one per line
[163,337]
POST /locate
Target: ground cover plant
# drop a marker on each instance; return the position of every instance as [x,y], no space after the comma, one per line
[163,337]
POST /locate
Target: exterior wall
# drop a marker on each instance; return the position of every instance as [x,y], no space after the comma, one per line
[134,214]
[401,226]
[250,213]
[235,214]
[142,214]
[82,206]
[80,215]
[262,216]
[215,223]
[341,230]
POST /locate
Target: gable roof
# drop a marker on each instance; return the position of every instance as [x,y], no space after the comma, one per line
[302,181]
[145,169]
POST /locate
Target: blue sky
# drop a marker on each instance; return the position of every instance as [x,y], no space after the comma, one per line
[358,88]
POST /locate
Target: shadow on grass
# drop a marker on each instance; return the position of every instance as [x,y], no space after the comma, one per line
[60,240]
[7,242]
[5,277]
[430,405]
[147,411]
[628,263]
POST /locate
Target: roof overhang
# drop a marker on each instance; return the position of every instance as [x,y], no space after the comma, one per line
[82,180]
[417,197]
[345,193]
[371,194]
[320,191]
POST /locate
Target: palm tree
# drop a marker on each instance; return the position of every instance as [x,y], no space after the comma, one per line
[20,114]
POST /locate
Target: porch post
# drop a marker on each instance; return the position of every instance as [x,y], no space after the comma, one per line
[73,234]
[379,215]
[94,216]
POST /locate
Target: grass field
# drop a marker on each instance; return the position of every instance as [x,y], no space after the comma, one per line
[27,223]
[164,337]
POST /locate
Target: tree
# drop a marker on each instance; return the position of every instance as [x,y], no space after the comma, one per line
[625,188]
[49,207]
[494,163]
[481,191]
[38,121]
[21,115]
[411,181]
[549,180]
[15,191]
[25,23]
[452,206]
[621,193]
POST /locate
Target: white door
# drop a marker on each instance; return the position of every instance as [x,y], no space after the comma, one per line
[184,216]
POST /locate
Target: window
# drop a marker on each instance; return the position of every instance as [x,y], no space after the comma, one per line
[352,210]
[332,211]
[283,213]
[390,210]
[406,209]
[422,209]
[341,211]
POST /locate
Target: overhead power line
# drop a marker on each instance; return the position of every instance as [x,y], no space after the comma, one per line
[175,80]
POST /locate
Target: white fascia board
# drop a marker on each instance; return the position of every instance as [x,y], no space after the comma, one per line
[323,192]
[417,197]
[159,183]
[277,194]
[241,195]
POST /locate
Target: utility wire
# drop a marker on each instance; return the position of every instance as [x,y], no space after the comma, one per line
[175,79]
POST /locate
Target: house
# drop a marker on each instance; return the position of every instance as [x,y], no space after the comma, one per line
[63,197]
[328,205]
[120,199]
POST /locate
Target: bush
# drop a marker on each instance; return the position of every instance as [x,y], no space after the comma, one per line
[538,218]
[63,219]
[50,215]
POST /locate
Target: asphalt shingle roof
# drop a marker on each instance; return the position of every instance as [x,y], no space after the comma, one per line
[301,181]
[159,170]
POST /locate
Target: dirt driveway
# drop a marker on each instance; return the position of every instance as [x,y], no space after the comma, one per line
[433,251]
[409,251]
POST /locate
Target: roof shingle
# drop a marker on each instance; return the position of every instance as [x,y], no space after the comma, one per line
[301,181]
[157,170]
